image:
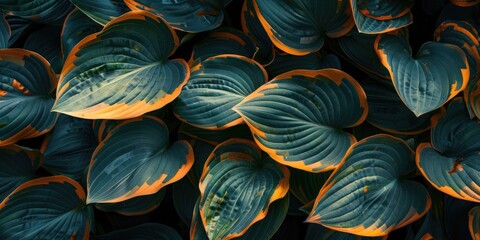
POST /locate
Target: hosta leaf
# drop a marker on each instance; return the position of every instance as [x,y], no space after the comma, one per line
[69,147]
[77,26]
[222,41]
[26,81]
[146,231]
[358,48]
[425,82]
[201,150]
[215,86]
[263,229]
[316,231]
[17,166]
[368,194]
[474,222]
[465,3]
[101,11]
[252,26]
[305,186]
[451,162]
[297,118]
[184,196]
[134,206]
[465,36]
[123,71]
[45,208]
[237,176]
[18,26]
[46,42]
[101,128]
[380,16]
[284,63]
[42,11]
[187,15]
[5,32]
[298,27]
[389,113]
[136,159]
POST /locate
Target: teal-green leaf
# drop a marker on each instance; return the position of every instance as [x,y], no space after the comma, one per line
[389,113]
[317,231]
[136,159]
[474,222]
[46,42]
[26,82]
[251,25]
[146,231]
[298,117]
[425,82]
[187,15]
[237,176]
[18,26]
[17,166]
[68,148]
[77,26]
[381,16]
[5,31]
[369,194]
[123,71]
[42,11]
[222,41]
[451,162]
[215,86]
[46,208]
[134,206]
[298,27]
[101,11]
[465,36]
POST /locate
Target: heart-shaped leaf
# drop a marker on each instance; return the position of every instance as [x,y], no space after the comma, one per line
[123,71]
[368,194]
[237,176]
[136,159]
[102,11]
[68,148]
[215,86]
[298,117]
[26,81]
[42,11]
[298,27]
[189,15]
[17,166]
[451,162]
[425,82]
[380,16]
[46,208]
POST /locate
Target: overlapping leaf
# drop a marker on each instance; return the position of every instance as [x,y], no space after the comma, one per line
[46,208]
[134,206]
[123,71]
[299,27]
[474,223]
[102,11]
[42,11]
[17,166]
[26,82]
[215,86]
[18,26]
[77,26]
[451,161]
[368,194]
[136,159]
[465,36]
[189,15]
[380,16]
[237,176]
[68,148]
[298,117]
[425,82]
[46,42]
